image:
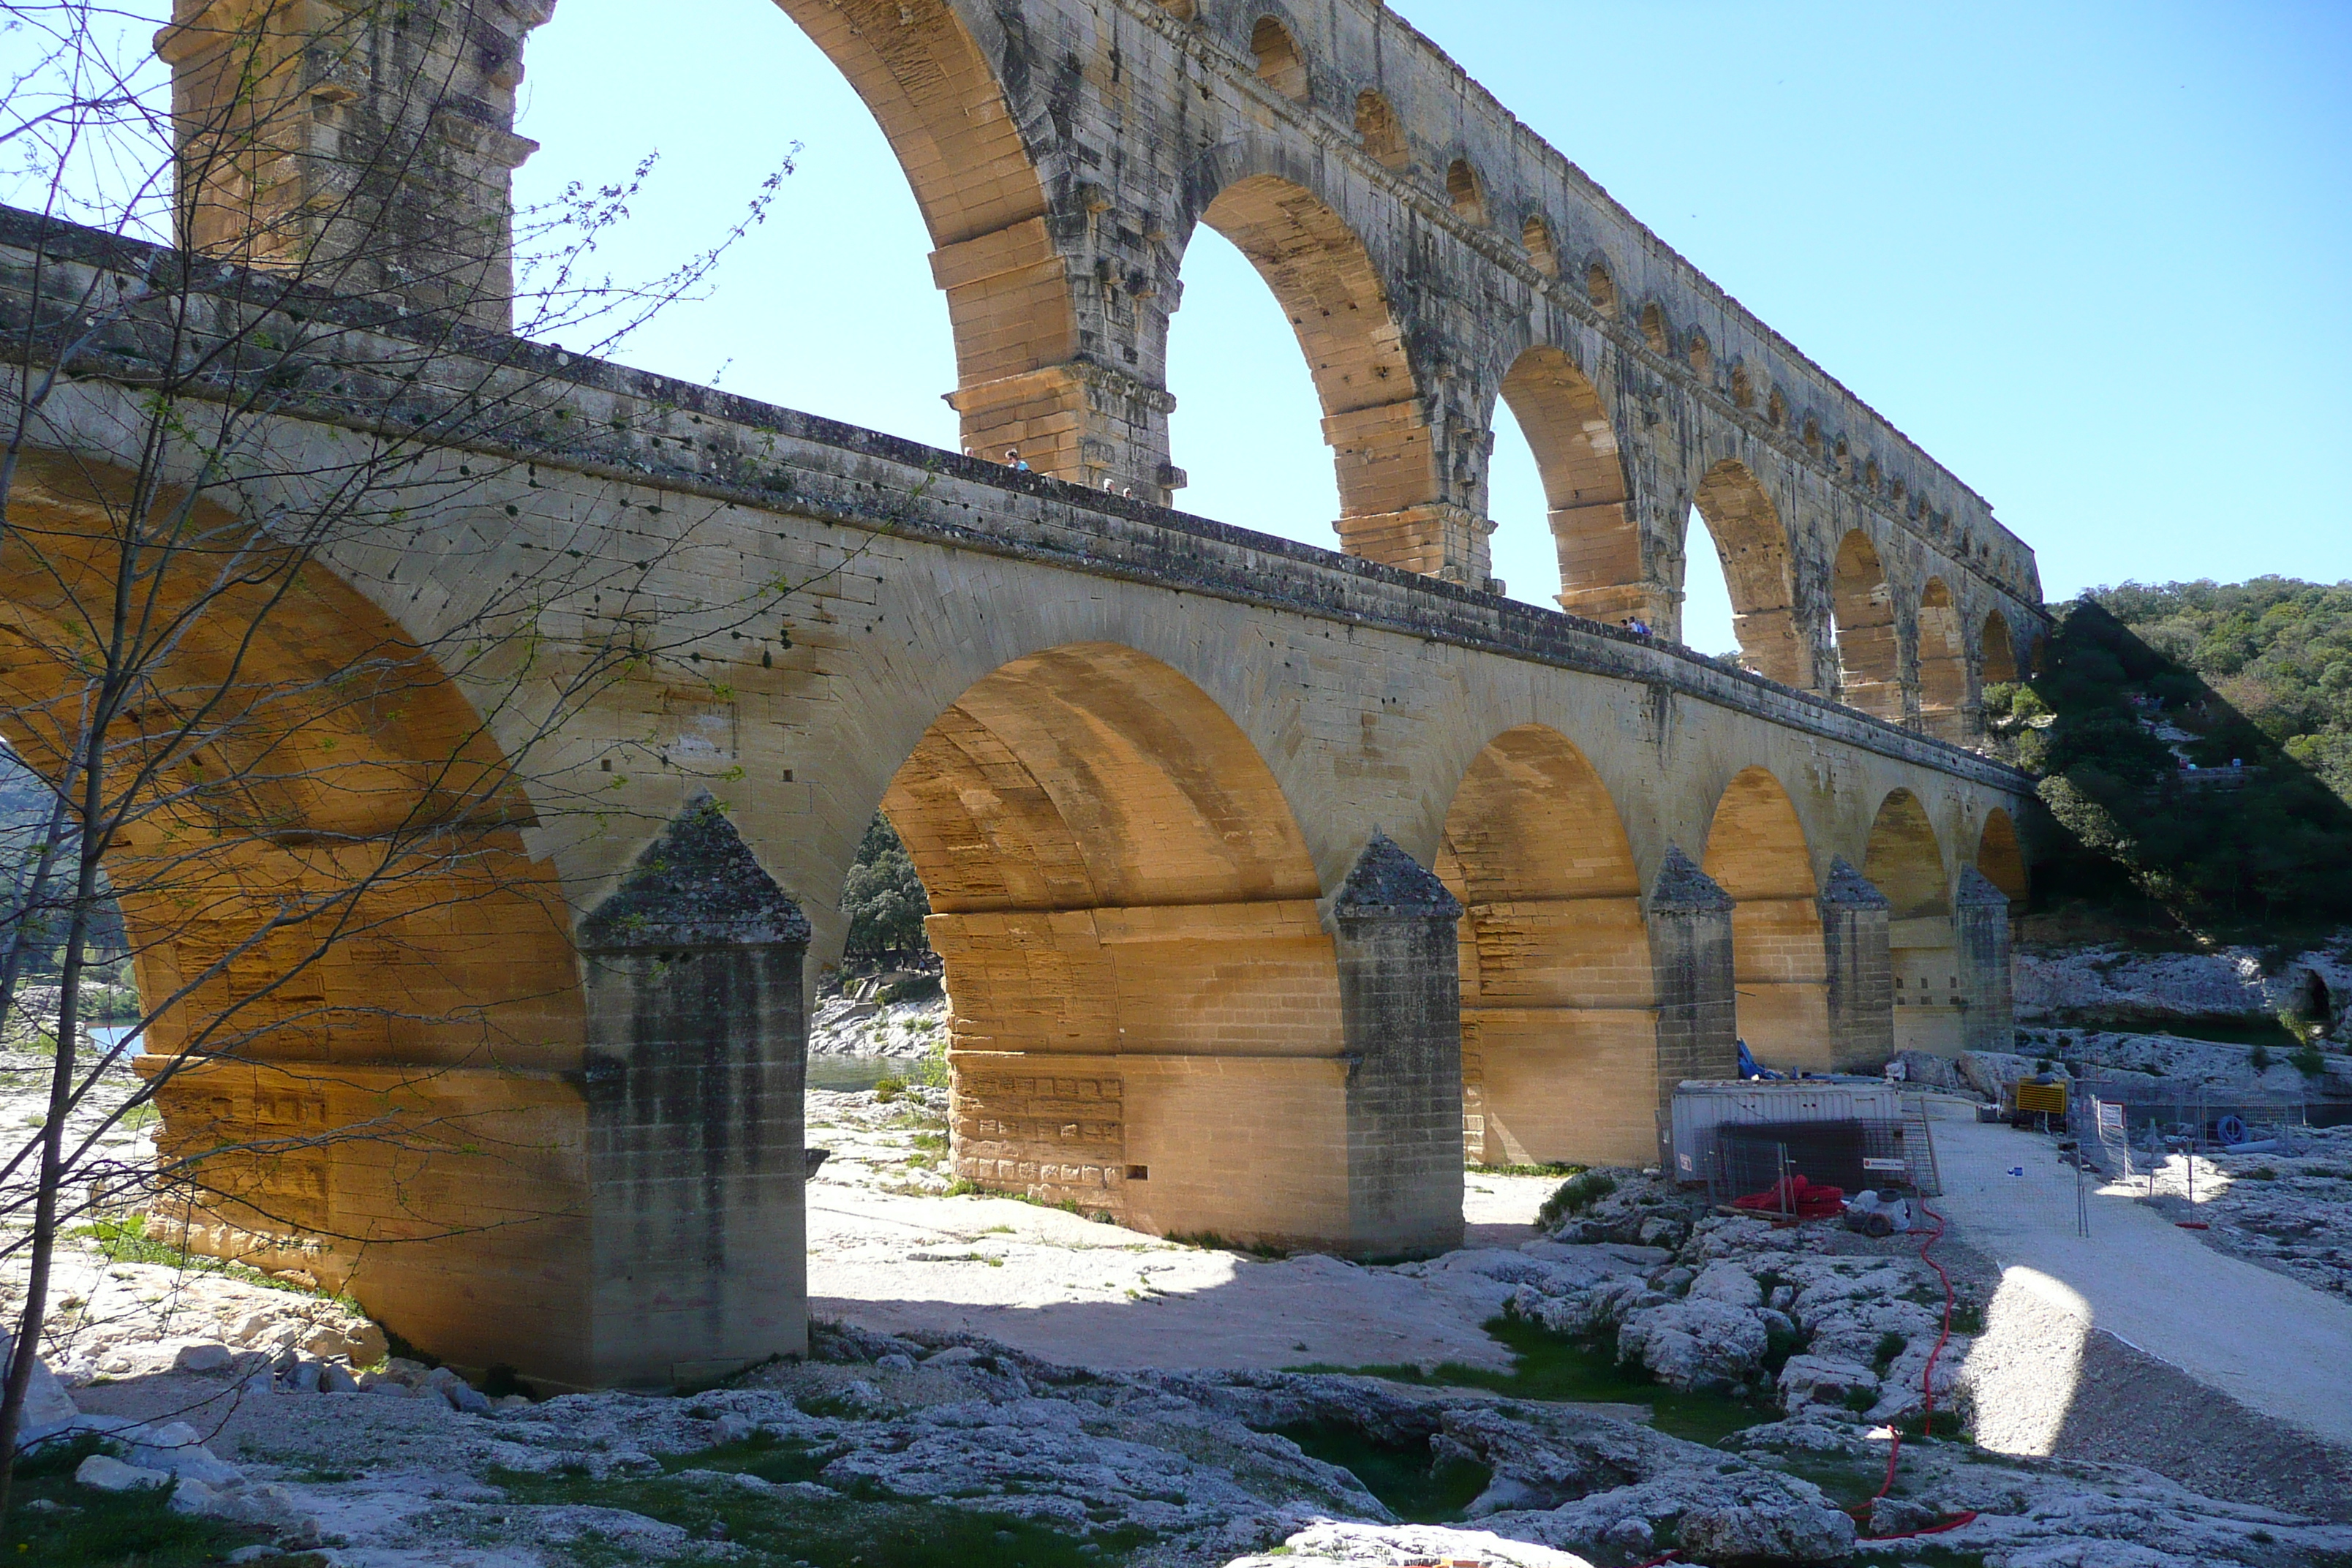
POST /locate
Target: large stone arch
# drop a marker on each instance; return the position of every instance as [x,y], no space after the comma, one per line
[1753,545]
[1755,851]
[929,82]
[1999,666]
[1946,699]
[1558,1001]
[419,1031]
[1870,660]
[1586,495]
[1334,292]
[2001,858]
[1126,909]
[1905,860]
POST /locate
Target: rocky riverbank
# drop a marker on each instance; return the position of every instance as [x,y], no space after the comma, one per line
[2110,986]
[899,1015]
[2288,1207]
[1670,1379]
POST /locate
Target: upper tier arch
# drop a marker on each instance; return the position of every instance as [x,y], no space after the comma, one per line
[1061,151]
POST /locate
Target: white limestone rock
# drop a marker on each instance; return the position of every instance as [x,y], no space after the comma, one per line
[1395,1545]
[47,1403]
[1728,1283]
[1696,1344]
[1811,1383]
[176,1447]
[108,1474]
[1782,1527]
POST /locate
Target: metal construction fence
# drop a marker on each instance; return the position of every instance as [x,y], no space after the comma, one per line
[1760,1139]
[1852,1133]
[2137,1125]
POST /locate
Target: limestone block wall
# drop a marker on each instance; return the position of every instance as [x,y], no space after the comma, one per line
[1433,254]
[1137,756]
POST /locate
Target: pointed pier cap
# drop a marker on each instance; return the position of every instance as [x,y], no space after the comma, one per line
[1387,884]
[1682,888]
[1975,891]
[1849,889]
[696,886]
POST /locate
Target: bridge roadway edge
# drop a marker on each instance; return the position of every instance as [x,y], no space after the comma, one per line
[660,436]
[1412,603]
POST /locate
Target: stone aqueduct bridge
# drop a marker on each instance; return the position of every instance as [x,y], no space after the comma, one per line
[1266,878]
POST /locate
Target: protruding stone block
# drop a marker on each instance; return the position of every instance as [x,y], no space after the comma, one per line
[1980,934]
[1691,957]
[1855,916]
[368,150]
[695,1069]
[1401,1010]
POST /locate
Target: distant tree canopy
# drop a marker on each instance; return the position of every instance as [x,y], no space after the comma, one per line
[2277,651]
[24,813]
[883,896]
[2136,682]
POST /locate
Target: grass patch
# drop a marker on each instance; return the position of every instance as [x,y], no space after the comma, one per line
[1548,1366]
[1547,1170]
[127,1241]
[2228,1031]
[764,1530]
[1210,1241]
[1576,1194]
[92,1529]
[1894,1555]
[764,1454]
[1417,1486]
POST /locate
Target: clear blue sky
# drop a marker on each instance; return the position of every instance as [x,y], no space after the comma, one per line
[2095,256]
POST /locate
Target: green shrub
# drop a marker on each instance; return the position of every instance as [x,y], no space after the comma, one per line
[883,896]
[920,988]
[1575,1195]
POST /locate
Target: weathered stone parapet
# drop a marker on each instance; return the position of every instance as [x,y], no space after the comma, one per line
[1401,1010]
[1854,923]
[1438,540]
[694,1072]
[366,146]
[1691,954]
[1980,931]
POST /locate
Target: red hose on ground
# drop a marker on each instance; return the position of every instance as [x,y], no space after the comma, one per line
[1927,1421]
[1926,1398]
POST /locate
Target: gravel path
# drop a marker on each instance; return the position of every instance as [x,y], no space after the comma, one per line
[2268,1342]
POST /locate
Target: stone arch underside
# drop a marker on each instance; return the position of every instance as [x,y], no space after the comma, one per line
[1945,700]
[2000,646]
[1391,493]
[1755,851]
[1585,492]
[1905,862]
[1869,662]
[368,1021]
[2002,858]
[1753,545]
[1558,1000]
[930,85]
[1144,1002]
